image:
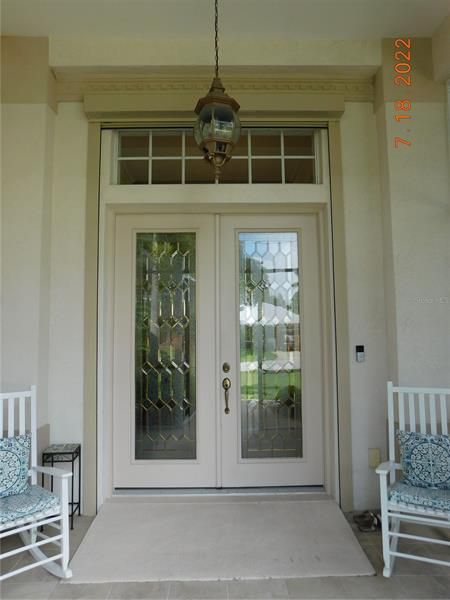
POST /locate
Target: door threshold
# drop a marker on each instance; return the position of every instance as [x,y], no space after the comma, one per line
[218,492]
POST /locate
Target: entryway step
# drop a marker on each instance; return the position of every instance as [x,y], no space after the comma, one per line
[241,494]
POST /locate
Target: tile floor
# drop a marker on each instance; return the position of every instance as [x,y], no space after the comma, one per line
[410,580]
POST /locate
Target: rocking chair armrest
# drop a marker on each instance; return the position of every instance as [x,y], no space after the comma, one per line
[53,472]
[385,468]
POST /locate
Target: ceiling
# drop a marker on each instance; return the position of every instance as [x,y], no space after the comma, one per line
[335,19]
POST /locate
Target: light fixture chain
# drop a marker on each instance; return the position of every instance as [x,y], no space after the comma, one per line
[216,26]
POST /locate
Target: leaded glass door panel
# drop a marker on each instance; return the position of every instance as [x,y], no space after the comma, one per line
[191,293]
[271,338]
[163,352]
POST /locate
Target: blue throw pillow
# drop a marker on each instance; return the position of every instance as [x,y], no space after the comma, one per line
[425,459]
[14,464]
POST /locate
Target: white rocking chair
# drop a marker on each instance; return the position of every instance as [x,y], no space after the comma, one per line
[26,513]
[425,411]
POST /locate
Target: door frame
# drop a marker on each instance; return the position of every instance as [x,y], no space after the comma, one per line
[100,217]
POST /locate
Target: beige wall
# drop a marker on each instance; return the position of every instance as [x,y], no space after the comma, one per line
[178,51]
[27,162]
[365,292]
[421,253]
[415,200]
[441,51]
[27,172]
[67,275]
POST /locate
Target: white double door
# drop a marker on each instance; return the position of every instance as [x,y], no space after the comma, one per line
[217,375]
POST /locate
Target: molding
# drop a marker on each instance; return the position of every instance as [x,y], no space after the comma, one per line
[169,107]
[342,323]
[90,322]
[353,89]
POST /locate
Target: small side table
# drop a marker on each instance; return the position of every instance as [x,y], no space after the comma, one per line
[62,453]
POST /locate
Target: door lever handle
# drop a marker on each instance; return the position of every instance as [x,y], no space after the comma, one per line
[226,384]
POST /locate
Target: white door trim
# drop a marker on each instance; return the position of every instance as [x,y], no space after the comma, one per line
[244,199]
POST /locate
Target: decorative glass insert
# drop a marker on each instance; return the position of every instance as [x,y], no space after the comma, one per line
[270,369]
[262,155]
[165,388]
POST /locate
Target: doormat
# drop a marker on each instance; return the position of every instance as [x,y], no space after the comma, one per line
[217,539]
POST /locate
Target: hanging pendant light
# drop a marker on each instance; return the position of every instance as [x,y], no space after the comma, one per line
[217,128]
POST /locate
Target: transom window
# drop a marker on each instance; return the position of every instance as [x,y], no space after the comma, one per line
[262,155]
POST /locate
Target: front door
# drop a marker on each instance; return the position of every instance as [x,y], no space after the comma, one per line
[217,351]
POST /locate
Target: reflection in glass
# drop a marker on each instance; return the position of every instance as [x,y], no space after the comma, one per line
[266,142]
[134,143]
[236,171]
[166,171]
[166,144]
[298,143]
[165,401]
[270,371]
[198,171]
[133,172]
[266,170]
[300,170]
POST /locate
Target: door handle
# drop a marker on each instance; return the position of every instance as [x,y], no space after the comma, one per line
[226,384]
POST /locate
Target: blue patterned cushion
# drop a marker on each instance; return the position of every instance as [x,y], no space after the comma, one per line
[420,496]
[425,459]
[34,500]
[14,464]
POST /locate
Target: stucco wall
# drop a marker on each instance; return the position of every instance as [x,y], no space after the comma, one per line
[67,275]
[419,206]
[27,162]
[365,292]
[161,49]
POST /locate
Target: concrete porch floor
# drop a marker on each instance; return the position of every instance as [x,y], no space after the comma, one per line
[411,579]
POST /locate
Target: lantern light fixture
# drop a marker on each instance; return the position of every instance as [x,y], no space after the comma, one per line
[217,128]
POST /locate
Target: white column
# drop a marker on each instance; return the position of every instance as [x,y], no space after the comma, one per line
[27,158]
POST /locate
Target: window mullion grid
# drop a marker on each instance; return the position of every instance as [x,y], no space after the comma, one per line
[183,157]
[316,154]
[150,156]
[116,163]
[249,143]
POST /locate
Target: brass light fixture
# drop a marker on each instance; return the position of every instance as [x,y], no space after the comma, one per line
[217,128]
